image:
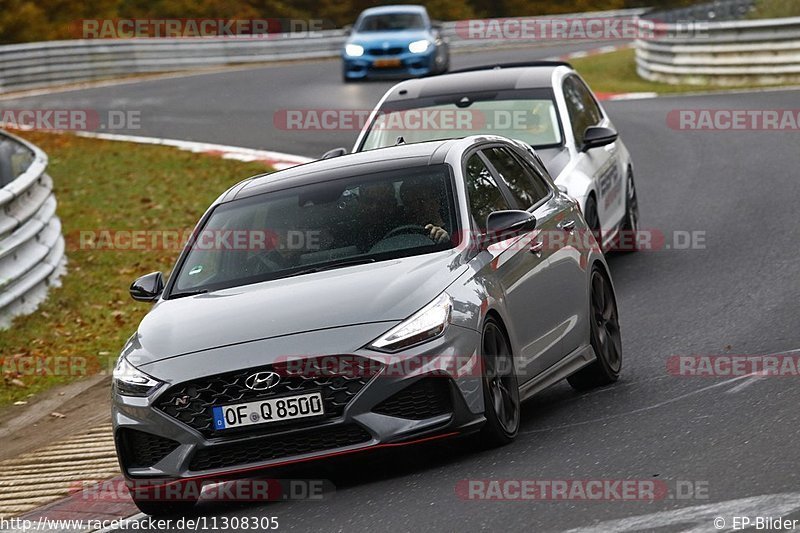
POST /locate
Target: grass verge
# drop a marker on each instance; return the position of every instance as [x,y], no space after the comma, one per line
[615,72]
[105,185]
[773,9]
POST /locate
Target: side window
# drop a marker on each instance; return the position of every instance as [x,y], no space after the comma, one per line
[518,178]
[485,196]
[583,110]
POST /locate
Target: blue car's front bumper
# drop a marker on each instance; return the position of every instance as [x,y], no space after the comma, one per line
[405,64]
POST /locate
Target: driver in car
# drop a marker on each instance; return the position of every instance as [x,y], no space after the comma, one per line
[422,205]
[379,212]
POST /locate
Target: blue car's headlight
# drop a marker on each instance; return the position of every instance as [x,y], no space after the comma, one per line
[354,50]
[419,47]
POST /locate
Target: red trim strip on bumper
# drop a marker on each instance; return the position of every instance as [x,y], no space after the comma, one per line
[222,475]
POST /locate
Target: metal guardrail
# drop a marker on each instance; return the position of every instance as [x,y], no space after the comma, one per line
[31,244]
[729,53]
[34,65]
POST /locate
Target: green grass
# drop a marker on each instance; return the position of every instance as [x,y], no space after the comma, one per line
[615,72]
[103,185]
[769,9]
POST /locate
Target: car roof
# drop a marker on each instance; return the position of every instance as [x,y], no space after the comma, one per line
[382,159]
[398,8]
[489,79]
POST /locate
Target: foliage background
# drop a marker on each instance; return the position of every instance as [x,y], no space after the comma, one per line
[39,20]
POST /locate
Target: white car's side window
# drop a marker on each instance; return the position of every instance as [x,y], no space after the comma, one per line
[582,108]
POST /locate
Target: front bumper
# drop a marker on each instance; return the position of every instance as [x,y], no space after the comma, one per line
[409,64]
[427,391]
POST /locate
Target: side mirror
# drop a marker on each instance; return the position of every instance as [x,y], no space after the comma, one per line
[147,288]
[437,25]
[596,136]
[506,224]
[562,188]
[347,29]
[336,152]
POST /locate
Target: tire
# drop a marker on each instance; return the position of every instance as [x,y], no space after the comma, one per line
[165,508]
[446,65]
[593,220]
[500,387]
[630,225]
[605,337]
[442,68]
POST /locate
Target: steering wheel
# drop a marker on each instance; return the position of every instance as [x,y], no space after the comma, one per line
[408,228]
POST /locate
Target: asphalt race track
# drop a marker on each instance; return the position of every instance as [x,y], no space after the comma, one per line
[238,107]
[737,293]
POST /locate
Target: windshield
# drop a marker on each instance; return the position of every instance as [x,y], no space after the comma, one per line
[531,118]
[324,225]
[391,22]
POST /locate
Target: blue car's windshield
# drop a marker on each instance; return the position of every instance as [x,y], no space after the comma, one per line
[334,223]
[391,22]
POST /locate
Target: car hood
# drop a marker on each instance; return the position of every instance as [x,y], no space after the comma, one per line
[391,38]
[386,291]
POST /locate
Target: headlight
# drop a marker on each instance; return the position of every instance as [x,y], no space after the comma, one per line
[128,381]
[354,50]
[425,324]
[419,47]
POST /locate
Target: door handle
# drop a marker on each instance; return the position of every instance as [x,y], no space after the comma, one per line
[537,247]
[567,226]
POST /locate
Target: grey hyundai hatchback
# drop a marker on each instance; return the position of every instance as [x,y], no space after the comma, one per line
[381,298]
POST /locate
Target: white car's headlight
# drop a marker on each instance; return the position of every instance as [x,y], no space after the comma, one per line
[129,381]
[419,47]
[424,325]
[354,50]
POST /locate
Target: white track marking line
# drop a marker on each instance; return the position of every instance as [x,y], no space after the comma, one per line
[754,377]
[632,96]
[279,160]
[641,409]
[700,518]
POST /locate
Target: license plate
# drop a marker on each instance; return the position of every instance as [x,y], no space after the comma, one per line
[387,63]
[266,411]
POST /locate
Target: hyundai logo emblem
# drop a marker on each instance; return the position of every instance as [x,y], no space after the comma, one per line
[262,380]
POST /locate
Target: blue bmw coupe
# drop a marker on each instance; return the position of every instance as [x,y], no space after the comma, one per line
[394,41]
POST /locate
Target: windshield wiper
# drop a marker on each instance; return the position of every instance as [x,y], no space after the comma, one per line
[331,266]
[184,294]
